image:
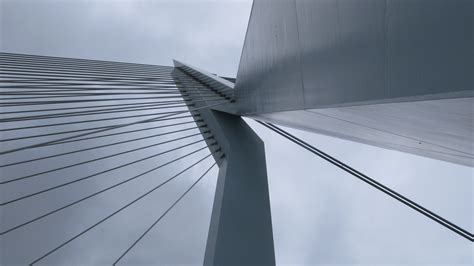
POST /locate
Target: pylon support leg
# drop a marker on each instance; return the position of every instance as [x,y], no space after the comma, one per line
[240,231]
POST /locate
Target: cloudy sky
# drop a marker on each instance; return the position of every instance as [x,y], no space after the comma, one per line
[320,214]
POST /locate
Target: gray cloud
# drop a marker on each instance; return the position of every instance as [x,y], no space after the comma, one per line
[323,216]
[154,32]
[320,214]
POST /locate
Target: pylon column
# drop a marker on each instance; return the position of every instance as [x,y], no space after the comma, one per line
[240,231]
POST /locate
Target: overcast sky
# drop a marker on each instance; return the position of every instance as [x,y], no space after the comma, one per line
[320,214]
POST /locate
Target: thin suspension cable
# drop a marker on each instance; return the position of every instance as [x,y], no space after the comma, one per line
[86,121]
[69,140]
[159,103]
[41,84]
[33,82]
[76,67]
[117,76]
[47,92]
[164,214]
[48,80]
[20,82]
[31,68]
[107,129]
[79,61]
[374,183]
[15,85]
[63,83]
[83,93]
[94,194]
[82,101]
[91,112]
[98,111]
[96,159]
[16,104]
[103,157]
[97,120]
[415,206]
[114,213]
[88,89]
[94,128]
[94,92]
[112,134]
[69,83]
[123,132]
[54,88]
[97,93]
[25,84]
[77,64]
[69,59]
[64,73]
[39,95]
[82,163]
[95,174]
[178,94]
[88,149]
[94,72]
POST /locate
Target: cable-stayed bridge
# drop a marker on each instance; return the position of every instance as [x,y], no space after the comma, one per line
[62,118]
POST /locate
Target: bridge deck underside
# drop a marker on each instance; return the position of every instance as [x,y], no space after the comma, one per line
[441,129]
